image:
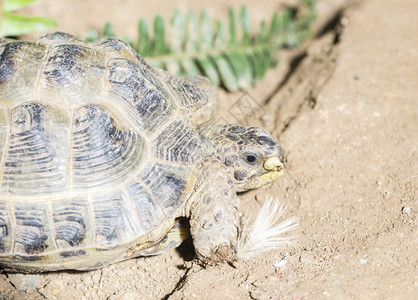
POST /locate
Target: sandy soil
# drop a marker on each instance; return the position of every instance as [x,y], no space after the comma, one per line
[347,117]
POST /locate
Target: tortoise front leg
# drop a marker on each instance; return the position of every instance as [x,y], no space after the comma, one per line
[213,211]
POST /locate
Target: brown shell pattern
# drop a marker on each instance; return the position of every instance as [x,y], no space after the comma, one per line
[96,150]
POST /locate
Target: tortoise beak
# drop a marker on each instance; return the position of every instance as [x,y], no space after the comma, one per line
[274,164]
[274,167]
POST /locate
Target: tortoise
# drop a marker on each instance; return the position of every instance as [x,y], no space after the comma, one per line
[100,160]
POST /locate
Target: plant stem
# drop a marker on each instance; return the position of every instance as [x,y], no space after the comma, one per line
[210,52]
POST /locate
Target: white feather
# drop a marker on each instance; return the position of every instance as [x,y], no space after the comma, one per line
[265,234]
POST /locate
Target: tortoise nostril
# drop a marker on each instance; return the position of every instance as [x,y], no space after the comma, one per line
[284,161]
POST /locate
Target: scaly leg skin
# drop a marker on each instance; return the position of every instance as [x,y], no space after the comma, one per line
[214,218]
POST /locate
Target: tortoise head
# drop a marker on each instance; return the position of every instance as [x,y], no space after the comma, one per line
[252,157]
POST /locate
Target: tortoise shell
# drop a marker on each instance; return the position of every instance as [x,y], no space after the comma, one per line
[96,151]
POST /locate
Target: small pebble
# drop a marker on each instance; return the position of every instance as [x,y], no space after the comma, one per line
[406,210]
[280,263]
[344,21]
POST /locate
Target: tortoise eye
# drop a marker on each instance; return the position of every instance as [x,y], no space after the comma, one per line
[251,158]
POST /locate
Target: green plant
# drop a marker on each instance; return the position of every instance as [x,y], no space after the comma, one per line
[194,47]
[12,24]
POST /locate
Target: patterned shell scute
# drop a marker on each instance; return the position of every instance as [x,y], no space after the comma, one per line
[102,152]
[96,148]
[134,91]
[32,231]
[32,161]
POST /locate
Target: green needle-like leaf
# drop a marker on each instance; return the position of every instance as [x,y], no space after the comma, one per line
[274,26]
[228,78]
[242,69]
[108,30]
[206,64]
[11,5]
[188,64]
[159,36]
[176,33]
[176,38]
[13,25]
[262,36]
[245,23]
[92,35]
[192,46]
[191,32]
[232,27]
[143,43]
[205,31]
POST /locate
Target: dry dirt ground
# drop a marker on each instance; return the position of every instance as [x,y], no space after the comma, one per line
[347,117]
